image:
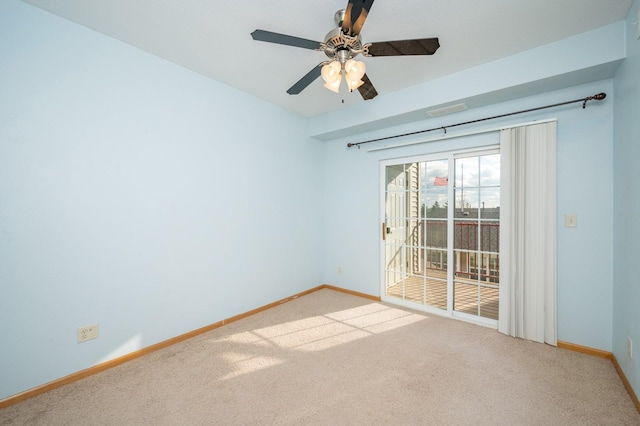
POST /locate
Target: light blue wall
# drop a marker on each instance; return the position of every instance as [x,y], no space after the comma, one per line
[138,195]
[585,269]
[626,197]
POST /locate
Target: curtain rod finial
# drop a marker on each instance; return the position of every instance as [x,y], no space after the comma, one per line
[600,96]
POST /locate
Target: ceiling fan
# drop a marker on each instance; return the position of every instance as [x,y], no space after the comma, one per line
[342,45]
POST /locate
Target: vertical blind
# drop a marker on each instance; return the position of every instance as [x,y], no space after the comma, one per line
[528,240]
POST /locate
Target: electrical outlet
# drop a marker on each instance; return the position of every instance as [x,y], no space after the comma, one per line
[630,347]
[87,332]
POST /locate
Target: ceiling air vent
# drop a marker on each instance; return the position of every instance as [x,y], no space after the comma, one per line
[447,110]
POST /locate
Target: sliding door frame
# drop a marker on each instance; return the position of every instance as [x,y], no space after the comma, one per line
[450,156]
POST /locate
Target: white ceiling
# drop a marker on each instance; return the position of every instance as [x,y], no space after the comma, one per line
[213,37]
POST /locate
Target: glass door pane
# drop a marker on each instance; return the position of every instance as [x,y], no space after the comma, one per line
[416,208]
[477,235]
[434,209]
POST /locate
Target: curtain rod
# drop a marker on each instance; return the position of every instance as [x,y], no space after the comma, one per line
[598,97]
[461,135]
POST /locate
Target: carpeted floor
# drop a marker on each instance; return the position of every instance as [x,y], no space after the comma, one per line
[329,358]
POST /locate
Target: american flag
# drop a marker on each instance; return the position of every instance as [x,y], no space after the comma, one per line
[441,181]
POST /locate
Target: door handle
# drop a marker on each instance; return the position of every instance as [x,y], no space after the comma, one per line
[384,231]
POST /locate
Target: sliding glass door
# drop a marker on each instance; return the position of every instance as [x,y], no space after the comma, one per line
[440,257]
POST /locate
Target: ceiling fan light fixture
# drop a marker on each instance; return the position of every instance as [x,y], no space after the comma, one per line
[334,86]
[332,72]
[354,84]
[355,69]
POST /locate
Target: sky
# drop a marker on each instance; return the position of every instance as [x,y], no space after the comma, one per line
[476,179]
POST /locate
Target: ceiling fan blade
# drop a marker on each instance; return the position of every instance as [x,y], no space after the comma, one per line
[270,37]
[306,80]
[355,15]
[421,46]
[367,91]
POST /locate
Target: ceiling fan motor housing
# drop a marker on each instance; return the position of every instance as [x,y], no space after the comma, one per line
[341,47]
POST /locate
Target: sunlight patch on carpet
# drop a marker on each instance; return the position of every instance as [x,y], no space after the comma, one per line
[376,318]
[312,334]
[326,331]
[243,363]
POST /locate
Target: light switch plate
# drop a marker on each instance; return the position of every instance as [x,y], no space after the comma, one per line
[571,220]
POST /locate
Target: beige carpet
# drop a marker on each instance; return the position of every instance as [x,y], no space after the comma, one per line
[329,358]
